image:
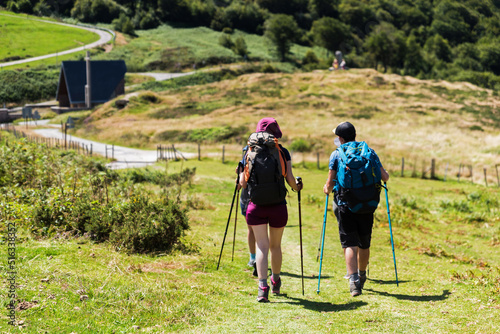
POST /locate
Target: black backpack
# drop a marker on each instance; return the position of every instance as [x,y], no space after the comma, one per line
[266,170]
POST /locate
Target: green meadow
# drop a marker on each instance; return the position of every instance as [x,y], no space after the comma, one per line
[446,247]
[23,36]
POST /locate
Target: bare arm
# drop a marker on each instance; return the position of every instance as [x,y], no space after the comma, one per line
[384,174]
[290,179]
[330,182]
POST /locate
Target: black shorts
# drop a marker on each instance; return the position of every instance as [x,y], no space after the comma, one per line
[355,230]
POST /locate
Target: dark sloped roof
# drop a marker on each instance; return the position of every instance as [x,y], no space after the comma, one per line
[105,77]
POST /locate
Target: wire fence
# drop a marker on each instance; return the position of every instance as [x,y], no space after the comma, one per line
[64,143]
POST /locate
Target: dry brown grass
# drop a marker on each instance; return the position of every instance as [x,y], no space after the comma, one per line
[398,116]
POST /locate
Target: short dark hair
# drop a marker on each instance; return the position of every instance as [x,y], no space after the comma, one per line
[346,130]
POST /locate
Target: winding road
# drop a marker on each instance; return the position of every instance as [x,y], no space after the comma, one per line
[105,36]
[125,157]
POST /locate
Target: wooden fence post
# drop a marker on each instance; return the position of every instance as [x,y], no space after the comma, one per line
[433,169]
[402,166]
[317,160]
[199,152]
[485,179]
[498,178]
[173,151]
[223,152]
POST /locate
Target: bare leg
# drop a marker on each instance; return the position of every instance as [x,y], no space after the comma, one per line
[251,240]
[262,240]
[351,259]
[275,235]
[363,258]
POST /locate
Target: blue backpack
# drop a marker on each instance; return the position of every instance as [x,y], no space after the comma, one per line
[358,177]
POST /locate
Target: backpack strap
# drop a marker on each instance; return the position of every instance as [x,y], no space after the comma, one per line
[248,168]
[342,154]
[282,160]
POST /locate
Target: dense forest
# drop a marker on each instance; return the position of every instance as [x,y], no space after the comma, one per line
[431,39]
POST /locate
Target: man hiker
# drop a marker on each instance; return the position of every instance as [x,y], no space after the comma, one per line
[267,166]
[354,175]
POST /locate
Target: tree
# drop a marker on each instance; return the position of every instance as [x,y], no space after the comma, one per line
[387,45]
[321,8]
[414,60]
[42,8]
[358,15]
[489,55]
[124,25]
[281,30]
[454,21]
[95,11]
[438,47]
[240,47]
[330,34]
[467,57]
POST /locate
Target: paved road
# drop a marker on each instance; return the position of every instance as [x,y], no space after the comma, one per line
[104,37]
[165,76]
[126,157]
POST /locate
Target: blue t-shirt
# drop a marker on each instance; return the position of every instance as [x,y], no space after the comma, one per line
[334,164]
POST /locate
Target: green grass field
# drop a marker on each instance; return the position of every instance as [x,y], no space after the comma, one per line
[26,37]
[446,246]
[176,48]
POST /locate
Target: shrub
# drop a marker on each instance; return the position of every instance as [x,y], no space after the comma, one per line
[240,47]
[59,191]
[27,86]
[124,25]
[145,226]
[149,97]
[209,135]
[226,41]
[310,58]
[300,145]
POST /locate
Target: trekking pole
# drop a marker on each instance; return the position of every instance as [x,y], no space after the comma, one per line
[322,242]
[228,219]
[390,229]
[322,230]
[299,180]
[235,220]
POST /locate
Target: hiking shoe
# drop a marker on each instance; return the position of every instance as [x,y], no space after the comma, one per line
[275,286]
[355,288]
[362,280]
[255,269]
[262,297]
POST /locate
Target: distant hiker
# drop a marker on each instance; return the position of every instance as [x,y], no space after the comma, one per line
[244,200]
[342,64]
[354,175]
[335,65]
[267,166]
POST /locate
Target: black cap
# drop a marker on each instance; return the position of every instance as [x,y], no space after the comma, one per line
[345,130]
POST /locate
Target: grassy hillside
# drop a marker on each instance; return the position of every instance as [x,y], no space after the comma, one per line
[27,37]
[173,48]
[446,245]
[401,117]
